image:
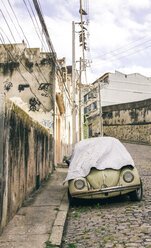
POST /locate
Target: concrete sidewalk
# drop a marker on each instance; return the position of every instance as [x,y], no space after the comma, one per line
[40,222]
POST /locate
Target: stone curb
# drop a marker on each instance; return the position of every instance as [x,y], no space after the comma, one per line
[58,226]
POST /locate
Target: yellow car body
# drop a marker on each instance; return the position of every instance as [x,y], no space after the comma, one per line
[106,183]
[102,168]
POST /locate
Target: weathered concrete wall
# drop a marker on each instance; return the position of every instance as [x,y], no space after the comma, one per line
[28,74]
[129,121]
[27,159]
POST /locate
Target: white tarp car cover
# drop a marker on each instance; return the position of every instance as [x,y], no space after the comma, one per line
[101,153]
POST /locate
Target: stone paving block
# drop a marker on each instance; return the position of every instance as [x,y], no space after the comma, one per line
[118,223]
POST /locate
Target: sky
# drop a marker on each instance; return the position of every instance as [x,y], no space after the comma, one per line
[119,32]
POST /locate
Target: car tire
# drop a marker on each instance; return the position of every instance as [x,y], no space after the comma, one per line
[137,194]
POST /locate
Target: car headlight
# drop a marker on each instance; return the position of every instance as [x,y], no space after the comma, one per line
[79,184]
[128,177]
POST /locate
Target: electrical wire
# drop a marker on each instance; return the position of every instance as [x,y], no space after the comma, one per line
[123,47]
[39,36]
[23,34]
[7,25]
[43,41]
[121,57]
[17,21]
[29,49]
[8,51]
[131,48]
[11,19]
[69,98]
[22,63]
[22,31]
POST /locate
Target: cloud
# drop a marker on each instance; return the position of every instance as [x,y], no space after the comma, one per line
[120,35]
[119,32]
[139,4]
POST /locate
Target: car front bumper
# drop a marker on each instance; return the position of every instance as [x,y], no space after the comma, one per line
[106,192]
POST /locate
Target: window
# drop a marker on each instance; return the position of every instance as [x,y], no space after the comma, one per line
[106,79]
[94,105]
[85,98]
[85,110]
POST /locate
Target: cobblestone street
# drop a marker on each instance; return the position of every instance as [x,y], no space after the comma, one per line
[114,223]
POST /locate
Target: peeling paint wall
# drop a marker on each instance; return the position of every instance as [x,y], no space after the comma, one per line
[29,74]
[27,160]
[129,122]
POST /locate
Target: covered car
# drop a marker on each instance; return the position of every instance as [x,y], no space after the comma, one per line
[101,168]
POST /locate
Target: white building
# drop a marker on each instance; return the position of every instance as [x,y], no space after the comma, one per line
[122,88]
[111,89]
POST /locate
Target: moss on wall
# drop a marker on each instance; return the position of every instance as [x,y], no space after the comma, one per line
[129,124]
[9,67]
[28,146]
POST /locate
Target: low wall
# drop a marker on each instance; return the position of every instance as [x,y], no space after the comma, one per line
[26,158]
[129,122]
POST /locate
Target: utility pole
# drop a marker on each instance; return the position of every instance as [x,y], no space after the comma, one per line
[73,86]
[82,32]
[80,124]
[100,111]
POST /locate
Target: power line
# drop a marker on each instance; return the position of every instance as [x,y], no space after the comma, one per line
[11,19]
[42,21]
[122,52]
[39,36]
[22,63]
[7,25]
[24,36]
[116,58]
[27,42]
[35,29]
[8,51]
[19,61]
[123,47]
[38,25]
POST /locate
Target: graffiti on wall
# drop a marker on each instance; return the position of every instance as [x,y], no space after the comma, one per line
[44,87]
[7,85]
[47,123]
[21,87]
[33,102]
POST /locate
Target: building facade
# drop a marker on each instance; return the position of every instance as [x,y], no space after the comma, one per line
[41,86]
[123,88]
[111,89]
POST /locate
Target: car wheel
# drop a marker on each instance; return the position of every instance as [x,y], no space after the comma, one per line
[137,194]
